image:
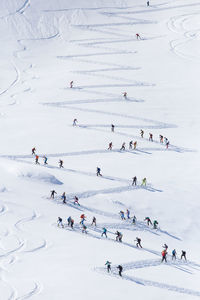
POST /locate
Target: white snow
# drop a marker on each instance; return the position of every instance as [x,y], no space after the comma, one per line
[44,46]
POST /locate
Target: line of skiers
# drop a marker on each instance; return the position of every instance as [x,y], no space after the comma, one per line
[132,145]
[64,198]
[174,254]
[149,222]
[108,266]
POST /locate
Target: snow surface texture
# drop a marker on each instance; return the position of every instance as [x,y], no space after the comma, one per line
[44,46]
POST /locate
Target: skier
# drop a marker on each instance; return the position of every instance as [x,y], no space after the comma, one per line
[128,213]
[148,220]
[94,221]
[123,146]
[138,240]
[61,163]
[141,133]
[183,254]
[147,3]
[120,270]
[134,220]
[161,138]
[99,172]
[144,181]
[72,223]
[108,264]
[84,229]
[134,180]
[155,224]
[174,254]
[165,247]
[63,197]
[45,160]
[167,144]
[104,232]
[122,215]
[60,222]
[69,220]
[135,145]
[74,122]
[71,84]
[83,217]
[118,236]
[112,127]
[164,255]
[165,140]
[53,194]
[131,145]
[76,200]
[33,151]
[36,160]
[138,36]
[125,95]
[151,137]
[110,146]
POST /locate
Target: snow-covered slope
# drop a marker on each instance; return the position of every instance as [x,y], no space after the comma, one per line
[44,46]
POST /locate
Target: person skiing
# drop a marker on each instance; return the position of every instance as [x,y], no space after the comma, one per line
[45,160]
[83,217]
[76,200]
[60,222]
[155,224]
[123,146]
[84,229]
[142,133]
[71,84]
[134,180]
[69,220]
[63,197]
[33,151]
[36,160]
[128,213]
[144,181]
[94,221]
[135,145]
[122,214]
[173,254]
[72,223]
[148,220]
[150,137]
[138,36]
[120,270]
[161,138]
[164,255]
[99,172]
[134,220]
[61,163]
[165,247]
[118,236]
[112,127]
[138,240]
[130,145]
[74,122]
[183,254]
[108,264]
[167,144]
[110,146]
[125,95]
[147,3]
[53,194]
[104,232]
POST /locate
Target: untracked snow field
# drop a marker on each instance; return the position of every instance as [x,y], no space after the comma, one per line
[44,46]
